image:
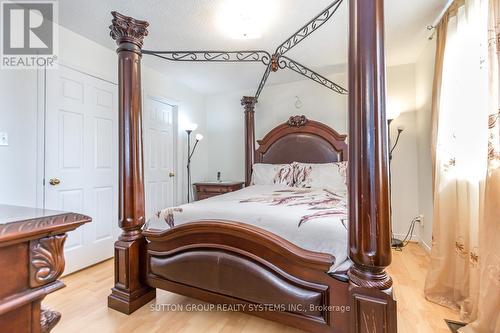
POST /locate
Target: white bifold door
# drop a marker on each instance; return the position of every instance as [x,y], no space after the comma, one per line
[81,161]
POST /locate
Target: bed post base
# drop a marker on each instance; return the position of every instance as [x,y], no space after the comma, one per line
[372,310]
[131,290]
[129,294]
[373,307]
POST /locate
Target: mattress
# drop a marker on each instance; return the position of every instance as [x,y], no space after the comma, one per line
[314,219]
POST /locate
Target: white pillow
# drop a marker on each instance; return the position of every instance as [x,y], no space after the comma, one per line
[322,175]
[269,174]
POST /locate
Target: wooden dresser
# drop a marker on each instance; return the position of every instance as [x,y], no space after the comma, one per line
[211,189]
[31,260]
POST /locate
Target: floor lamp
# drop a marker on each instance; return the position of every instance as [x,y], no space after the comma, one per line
[189,129]
[396,243]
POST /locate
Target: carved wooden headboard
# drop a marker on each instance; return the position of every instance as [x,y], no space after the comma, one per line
[302,140]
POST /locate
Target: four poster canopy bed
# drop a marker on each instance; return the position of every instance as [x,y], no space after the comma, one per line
[312,257]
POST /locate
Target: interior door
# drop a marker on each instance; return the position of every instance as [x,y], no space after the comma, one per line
[81,160]
[159,152]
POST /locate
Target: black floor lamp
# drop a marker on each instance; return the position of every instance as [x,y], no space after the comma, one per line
[189,129]
[396,243]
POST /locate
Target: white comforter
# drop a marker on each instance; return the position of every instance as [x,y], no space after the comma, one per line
[313,219]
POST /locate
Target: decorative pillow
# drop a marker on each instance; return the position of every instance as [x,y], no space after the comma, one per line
[331,175]
[268,174]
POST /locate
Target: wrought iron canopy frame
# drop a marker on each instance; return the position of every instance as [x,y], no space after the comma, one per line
[272,62]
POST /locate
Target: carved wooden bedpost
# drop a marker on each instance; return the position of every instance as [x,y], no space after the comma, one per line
[249,103]
[130,292]
[369,203]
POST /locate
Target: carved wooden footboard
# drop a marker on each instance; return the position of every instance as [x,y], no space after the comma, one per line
[235,263]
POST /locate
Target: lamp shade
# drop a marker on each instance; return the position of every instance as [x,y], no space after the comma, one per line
[199,137]
[393,110]
[189,127]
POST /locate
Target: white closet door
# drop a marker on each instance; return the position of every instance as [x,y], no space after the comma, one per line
[81,161]
[158,134]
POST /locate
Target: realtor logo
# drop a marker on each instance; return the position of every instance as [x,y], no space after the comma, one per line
[28,34]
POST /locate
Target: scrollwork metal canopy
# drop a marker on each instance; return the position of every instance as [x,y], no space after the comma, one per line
[272,62]
[216,56]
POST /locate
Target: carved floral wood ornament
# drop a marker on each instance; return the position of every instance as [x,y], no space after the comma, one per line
[128,29]
[47,259]
[248,103]
[297,121]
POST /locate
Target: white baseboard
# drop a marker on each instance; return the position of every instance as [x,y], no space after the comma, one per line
[425,246]
[414,238]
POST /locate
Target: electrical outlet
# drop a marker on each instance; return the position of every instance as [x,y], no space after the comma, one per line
[4,139]
[421,220]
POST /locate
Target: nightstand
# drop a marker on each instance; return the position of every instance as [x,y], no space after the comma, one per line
[211,189]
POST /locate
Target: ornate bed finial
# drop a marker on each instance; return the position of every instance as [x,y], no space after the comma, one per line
[297,121]
[248,103]
[274,62]
[128,29]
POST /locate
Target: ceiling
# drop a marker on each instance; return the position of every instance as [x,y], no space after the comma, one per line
[192,25]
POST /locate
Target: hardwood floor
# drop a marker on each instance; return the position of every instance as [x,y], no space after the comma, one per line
[83,305]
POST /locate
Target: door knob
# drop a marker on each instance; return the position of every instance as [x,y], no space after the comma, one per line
[171,174]
[54,181]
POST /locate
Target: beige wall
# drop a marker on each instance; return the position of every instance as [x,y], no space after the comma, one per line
[404,165]
[18,118]
[423,84]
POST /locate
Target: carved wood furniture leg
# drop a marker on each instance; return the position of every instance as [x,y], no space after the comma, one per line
[48,319]
[249,104]
[130,291]
[372,303]
[47,264]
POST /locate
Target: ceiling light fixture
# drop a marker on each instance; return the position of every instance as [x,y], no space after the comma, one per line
[245,19]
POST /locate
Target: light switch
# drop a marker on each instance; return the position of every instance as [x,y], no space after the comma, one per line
[4,139]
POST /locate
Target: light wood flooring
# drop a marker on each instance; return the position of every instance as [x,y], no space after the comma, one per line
[83,305]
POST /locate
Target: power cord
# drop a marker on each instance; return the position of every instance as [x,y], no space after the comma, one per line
[397,244]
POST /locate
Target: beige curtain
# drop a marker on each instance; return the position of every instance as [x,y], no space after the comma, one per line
[441,29]
[464,273]
[487,317]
